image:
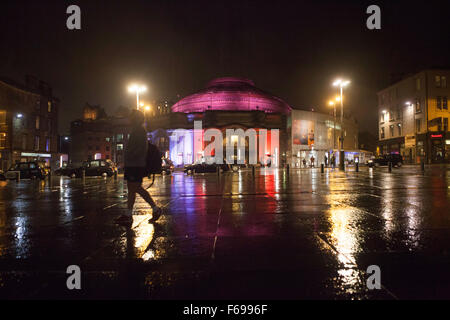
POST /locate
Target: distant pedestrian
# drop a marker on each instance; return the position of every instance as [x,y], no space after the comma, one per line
[325,160]
[135,167]
[312,161]
[333,161]
[304,162]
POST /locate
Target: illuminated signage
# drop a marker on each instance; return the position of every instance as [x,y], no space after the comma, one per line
[41,155]
[436,135]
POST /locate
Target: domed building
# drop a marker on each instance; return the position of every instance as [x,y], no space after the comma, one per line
[231,94]
[225,103]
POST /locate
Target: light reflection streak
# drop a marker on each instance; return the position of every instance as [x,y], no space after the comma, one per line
[144,235]
[344,238]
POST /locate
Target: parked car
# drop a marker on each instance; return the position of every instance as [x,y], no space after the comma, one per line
[92,168]
[69,169]
[28,170]
[384,160]
[205,168]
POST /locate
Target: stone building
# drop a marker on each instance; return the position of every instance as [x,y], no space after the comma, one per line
[28,122]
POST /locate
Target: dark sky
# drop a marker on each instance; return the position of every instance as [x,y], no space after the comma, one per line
[293,49]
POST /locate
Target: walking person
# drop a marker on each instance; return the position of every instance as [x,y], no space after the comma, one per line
[304,162]
[333,161]
[135,168]
[325,160]
[312,161]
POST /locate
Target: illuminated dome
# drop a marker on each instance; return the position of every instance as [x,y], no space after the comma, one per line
[231,94]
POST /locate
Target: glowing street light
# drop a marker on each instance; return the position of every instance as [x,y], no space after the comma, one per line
[341,84]
[137,89]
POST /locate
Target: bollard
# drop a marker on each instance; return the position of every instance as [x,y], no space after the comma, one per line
[357,167]
[287,168]
[253,170]
[422,165]
[322,168]
[390,166]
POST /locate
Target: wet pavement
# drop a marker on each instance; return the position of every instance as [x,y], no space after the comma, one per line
[306,235]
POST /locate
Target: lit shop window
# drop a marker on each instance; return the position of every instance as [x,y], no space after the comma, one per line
[2,140]
[119,146]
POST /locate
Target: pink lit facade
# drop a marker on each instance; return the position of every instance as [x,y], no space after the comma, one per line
[231,94]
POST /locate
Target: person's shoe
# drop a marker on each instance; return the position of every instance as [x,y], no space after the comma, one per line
[124,220]
[157,211]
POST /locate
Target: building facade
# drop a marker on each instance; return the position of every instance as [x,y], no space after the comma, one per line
[413,117]
[315,136]
[235,103]
[28,123]
[99,136]
[225,103]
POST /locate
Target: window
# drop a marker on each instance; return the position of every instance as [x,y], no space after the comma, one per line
[119,137]
[94,164]
[97,148]
[2,117]
[36,143]
[399,127]
[107,139]
[417,125]
[37,122]
[417,84]
[445,124]
[418,105]
[444,82]
[2,140]
[439,103]
[49,106]
[437,81]
[47,144]
[119,146]
[444,103]
[107,148]
[382,133]
[107,156]
[391,130]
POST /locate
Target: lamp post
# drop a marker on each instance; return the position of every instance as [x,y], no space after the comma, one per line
[331,103]
[341,84]
[137,89]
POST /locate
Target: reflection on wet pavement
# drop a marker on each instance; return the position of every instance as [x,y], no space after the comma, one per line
[304,236]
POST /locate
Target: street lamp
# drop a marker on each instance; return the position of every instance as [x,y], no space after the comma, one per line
[341,84]
[137,89]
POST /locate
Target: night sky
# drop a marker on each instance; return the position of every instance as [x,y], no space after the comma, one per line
[293,49]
